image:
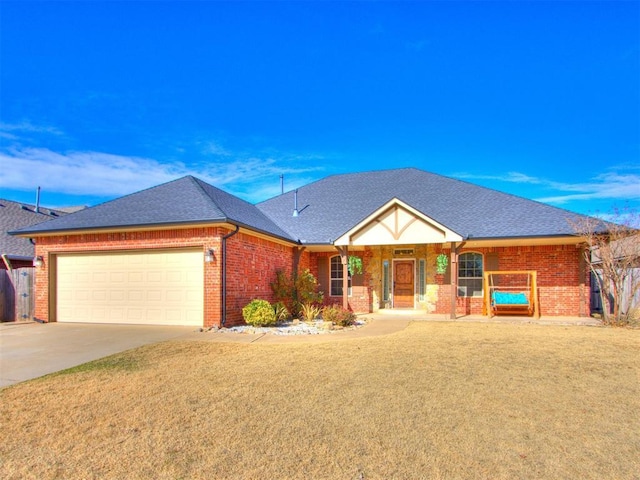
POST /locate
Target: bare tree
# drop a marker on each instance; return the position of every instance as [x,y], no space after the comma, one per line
[613,256]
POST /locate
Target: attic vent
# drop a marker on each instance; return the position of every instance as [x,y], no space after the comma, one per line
[403,252]
[24,207]
[52,213]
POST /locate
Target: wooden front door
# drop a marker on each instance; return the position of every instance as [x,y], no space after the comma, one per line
[403,284]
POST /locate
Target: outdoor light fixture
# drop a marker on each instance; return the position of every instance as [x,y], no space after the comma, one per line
[38,261]
[209,256]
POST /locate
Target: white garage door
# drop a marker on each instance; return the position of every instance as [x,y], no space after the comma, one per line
[151,287]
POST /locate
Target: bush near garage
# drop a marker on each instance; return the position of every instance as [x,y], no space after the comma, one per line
[259,313]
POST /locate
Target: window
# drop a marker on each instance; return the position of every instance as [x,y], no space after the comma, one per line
[336,277]
[421,280]
[385,281]
[470,275]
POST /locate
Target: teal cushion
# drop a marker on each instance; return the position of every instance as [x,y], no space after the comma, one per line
[509,298]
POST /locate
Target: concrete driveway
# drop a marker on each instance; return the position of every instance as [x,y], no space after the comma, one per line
[30,350]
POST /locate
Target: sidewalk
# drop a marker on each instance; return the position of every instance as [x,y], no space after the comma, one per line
[379,324]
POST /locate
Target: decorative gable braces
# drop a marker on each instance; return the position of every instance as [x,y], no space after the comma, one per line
[397,223]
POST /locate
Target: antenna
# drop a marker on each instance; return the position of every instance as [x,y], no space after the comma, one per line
[295,199]
[38,200]
[281,184]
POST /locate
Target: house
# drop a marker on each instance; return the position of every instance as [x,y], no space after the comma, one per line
[16,258]
[188,253]
[17,252]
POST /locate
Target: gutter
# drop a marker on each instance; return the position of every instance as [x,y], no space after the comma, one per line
[6,261]
[223,315]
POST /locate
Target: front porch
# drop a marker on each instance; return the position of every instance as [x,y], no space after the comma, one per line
[409,261]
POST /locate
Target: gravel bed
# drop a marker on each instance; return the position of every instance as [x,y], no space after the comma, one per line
[302,328]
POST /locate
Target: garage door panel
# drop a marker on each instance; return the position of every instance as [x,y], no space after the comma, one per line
[161,288]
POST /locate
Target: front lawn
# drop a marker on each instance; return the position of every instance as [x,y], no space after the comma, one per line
[436,401]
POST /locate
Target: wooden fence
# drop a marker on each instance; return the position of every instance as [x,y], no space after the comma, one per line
[16,294]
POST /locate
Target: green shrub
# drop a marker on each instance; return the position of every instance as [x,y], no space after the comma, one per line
[281,311]
[259,313]
[338,315]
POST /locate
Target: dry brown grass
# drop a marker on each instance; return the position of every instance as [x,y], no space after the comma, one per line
[438,400]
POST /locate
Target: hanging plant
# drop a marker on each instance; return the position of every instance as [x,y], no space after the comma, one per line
[355,265]
[441,263]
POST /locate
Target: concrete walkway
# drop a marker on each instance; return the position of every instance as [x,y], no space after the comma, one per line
[385,324]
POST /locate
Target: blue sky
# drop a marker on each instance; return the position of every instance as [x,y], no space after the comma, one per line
[101,99]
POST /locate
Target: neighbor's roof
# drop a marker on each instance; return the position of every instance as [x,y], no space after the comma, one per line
[332,206]
[187,200]
[14,215]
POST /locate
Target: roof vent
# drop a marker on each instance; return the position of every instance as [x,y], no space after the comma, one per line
[295,206]
[38,200]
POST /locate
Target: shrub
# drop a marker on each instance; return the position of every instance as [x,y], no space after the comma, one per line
[281,311]
[338,315]
[306,288]
[309,312]
[294,293]
[283,291]
[259,313]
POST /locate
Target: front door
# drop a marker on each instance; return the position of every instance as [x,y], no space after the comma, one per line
[403,287]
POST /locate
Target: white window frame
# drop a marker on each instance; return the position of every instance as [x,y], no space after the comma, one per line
[464,288]
[337,277]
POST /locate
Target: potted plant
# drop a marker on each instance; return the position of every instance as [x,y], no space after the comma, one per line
[442,261]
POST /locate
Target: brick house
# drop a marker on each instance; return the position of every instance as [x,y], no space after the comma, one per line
[188,253]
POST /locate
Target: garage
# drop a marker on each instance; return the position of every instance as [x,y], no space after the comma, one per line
[140,287]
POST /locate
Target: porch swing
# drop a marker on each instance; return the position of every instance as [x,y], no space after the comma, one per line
[508,293]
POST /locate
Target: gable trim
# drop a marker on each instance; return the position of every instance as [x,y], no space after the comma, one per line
[398,228]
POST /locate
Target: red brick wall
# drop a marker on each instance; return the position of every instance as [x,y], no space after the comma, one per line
[559,278]
[251,264]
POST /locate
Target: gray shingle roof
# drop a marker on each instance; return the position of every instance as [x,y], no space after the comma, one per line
[187,200]
[328,208]
[14,215]
[332,206]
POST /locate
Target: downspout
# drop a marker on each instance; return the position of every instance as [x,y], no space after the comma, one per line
[223,315]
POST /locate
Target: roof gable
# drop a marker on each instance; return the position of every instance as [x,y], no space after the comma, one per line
[397,223]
